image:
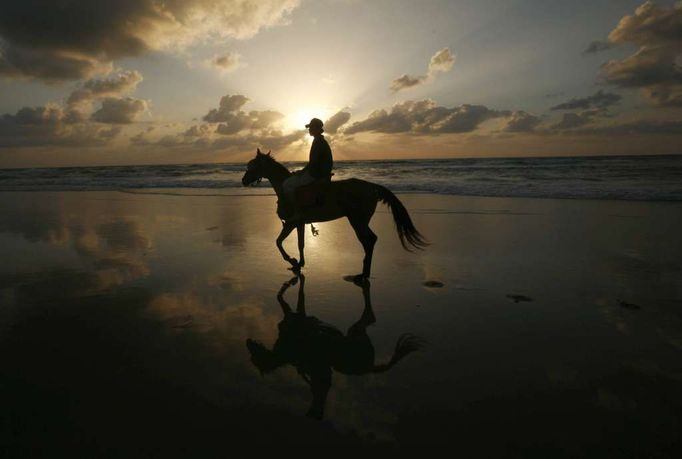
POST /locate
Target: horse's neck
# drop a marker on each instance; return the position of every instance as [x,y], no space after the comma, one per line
[278,174]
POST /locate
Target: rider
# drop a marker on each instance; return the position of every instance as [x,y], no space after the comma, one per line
[319,164]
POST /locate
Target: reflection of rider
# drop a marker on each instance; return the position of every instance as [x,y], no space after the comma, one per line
[315,348]
[319,165]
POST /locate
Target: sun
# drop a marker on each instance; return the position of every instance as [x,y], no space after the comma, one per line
[299,118]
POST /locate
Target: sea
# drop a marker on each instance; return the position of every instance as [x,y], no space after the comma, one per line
[638,178]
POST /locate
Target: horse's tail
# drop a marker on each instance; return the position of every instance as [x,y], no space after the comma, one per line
[406,344]
[403,222]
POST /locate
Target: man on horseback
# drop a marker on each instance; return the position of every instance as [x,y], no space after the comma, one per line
[319,165]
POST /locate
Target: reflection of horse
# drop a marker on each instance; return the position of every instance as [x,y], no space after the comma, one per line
[314,348]
[352,198]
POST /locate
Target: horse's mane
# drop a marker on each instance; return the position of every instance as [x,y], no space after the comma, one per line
[277,164]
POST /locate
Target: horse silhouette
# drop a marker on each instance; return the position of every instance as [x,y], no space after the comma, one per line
[352,198]
[315,348]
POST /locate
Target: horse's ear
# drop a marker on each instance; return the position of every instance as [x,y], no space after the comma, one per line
[258,151]
[269,152]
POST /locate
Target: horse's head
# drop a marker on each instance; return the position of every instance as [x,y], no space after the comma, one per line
[256,169]
[263,358]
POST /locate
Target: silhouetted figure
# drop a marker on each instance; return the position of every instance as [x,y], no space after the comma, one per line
[353,198]
[319,167]
[315,348]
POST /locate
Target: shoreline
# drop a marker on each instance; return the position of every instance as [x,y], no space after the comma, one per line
[269,192]
[654,155]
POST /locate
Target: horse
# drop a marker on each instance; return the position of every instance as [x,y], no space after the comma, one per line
[353,198]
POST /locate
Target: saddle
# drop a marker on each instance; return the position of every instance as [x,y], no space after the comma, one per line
[313,194]
[307,197]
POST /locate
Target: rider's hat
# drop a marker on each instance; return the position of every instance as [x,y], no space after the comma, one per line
[315,122]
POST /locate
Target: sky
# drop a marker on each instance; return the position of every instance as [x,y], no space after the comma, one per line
[96,82]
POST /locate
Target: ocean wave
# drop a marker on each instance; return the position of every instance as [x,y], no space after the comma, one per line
[650,178]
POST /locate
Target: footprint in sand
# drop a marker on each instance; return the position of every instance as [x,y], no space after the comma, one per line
[626,305]
[433,284]
[519,298]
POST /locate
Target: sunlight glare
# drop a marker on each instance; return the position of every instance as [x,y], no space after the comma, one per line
[301,117]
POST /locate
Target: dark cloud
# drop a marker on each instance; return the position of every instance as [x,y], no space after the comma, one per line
[406,81]
[440,62]
[124,82]
[554,94]
[641,127]
[199,130]
[50,125]
[227,62]
[600,99]
[654,68]
[597,46]
[337,120]
[47,64]
[70,124]
[119,110]
[58,40]
[521,121]
[425,117]
[576,120]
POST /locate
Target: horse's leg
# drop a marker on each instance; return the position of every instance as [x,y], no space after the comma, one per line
[367,239]
[367,318]
[286,231]
[300,229]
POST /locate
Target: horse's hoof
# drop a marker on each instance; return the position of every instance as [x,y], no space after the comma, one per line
[359,279]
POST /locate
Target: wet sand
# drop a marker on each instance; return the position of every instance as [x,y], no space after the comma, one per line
[554,327]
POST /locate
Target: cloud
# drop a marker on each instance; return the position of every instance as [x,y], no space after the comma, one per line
[228,128]
[48,64]
[233,120]
[597,46]
[576,120]
[654,68]
[337,120]
[199,130]
[227,108]
[600,99]
[521,121]
[440,62]
[650,24]
[71,123]
[227,62]
[640,127]
[120,110]
[124,82]
[406,81]
[80,38]
[426,118]
[50,125]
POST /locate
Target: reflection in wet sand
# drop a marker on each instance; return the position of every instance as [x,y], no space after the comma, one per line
[315,348]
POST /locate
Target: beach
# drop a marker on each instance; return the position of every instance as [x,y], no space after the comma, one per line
[550,327]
